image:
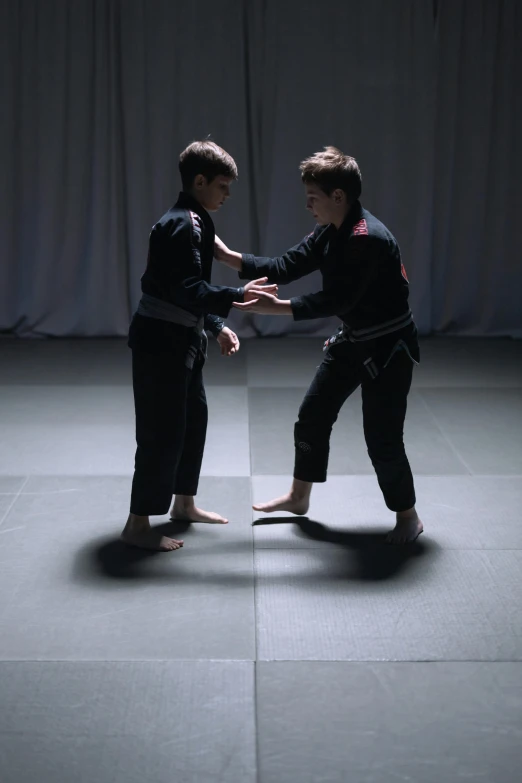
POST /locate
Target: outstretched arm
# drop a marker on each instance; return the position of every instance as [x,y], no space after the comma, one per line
[355,275]
[345,289]
[297,262]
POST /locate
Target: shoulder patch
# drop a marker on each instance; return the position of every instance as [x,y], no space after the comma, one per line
[360,228]
[403,273]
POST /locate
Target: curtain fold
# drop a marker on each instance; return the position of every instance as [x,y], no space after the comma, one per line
[100,96]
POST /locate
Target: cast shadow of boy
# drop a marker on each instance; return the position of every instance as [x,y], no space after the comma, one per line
[369,557]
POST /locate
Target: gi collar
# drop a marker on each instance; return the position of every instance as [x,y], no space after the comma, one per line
[186,201]
[353,217]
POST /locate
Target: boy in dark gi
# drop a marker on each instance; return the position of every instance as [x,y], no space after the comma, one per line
[168,345]
[376,347]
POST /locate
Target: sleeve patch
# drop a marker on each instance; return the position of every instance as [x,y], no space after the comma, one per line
[197,227]
[360,228]
[403,273]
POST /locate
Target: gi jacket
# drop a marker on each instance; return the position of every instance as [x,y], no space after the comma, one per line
[364,280]
[179,265]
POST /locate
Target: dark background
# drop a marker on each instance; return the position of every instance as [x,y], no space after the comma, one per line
[99,96]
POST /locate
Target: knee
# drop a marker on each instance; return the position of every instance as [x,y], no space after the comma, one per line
[315,419]
[386,453]
[308,432]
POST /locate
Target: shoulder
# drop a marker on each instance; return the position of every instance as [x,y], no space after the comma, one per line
[179,222]
[365,237]
[373,227]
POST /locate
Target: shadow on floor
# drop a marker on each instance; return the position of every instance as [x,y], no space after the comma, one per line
[113,558]
[365,557]
[368,555]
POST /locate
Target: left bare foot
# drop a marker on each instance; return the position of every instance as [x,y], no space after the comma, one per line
[194,514]
[407,530]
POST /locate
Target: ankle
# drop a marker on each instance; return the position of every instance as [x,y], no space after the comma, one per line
[299,497]
[409,513]
[136,522]
[185,502]
[300,490]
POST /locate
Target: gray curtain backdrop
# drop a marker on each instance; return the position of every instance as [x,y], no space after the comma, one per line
[99,96]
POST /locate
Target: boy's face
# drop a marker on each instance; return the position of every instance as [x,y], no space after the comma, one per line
[212,195]
[325,208]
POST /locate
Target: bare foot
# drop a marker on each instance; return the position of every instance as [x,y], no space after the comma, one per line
[286,503]
[407,530]
[141,535]
[193,514]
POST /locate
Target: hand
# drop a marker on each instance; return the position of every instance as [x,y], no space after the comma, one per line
[265,304]
[228,341]
[226,256]
[256,287]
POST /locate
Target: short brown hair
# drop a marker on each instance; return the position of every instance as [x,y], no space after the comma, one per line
[205,157]
[331,169]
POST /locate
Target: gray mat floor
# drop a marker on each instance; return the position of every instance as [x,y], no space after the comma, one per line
[271,650]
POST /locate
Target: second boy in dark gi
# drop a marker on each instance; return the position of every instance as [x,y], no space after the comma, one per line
[366,286]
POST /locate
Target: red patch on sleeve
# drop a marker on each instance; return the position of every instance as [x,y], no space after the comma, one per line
[360,228]
[403,273]
[197,226]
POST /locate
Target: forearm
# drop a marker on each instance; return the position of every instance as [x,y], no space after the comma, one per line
[234,260]
[275,269]
[267,305]
[200,297]
[284,307]
[297,262]
[339,299]
[311,306]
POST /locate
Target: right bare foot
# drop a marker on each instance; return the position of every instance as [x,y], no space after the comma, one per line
[138,532]
[286,503]
[149,539]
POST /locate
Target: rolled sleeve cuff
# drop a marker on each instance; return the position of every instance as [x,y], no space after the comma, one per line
[299,308]
[214,326]
[248,269]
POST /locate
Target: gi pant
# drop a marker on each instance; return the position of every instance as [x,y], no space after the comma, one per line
[171,425]
[384,409]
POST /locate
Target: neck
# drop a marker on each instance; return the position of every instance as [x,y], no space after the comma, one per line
[342,216]
[193,196]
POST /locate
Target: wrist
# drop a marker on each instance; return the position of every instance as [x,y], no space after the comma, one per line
[284,307]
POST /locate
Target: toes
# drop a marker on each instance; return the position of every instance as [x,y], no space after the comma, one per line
[171,544]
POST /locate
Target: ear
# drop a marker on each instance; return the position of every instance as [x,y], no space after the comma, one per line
[199,181]
[339,196]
